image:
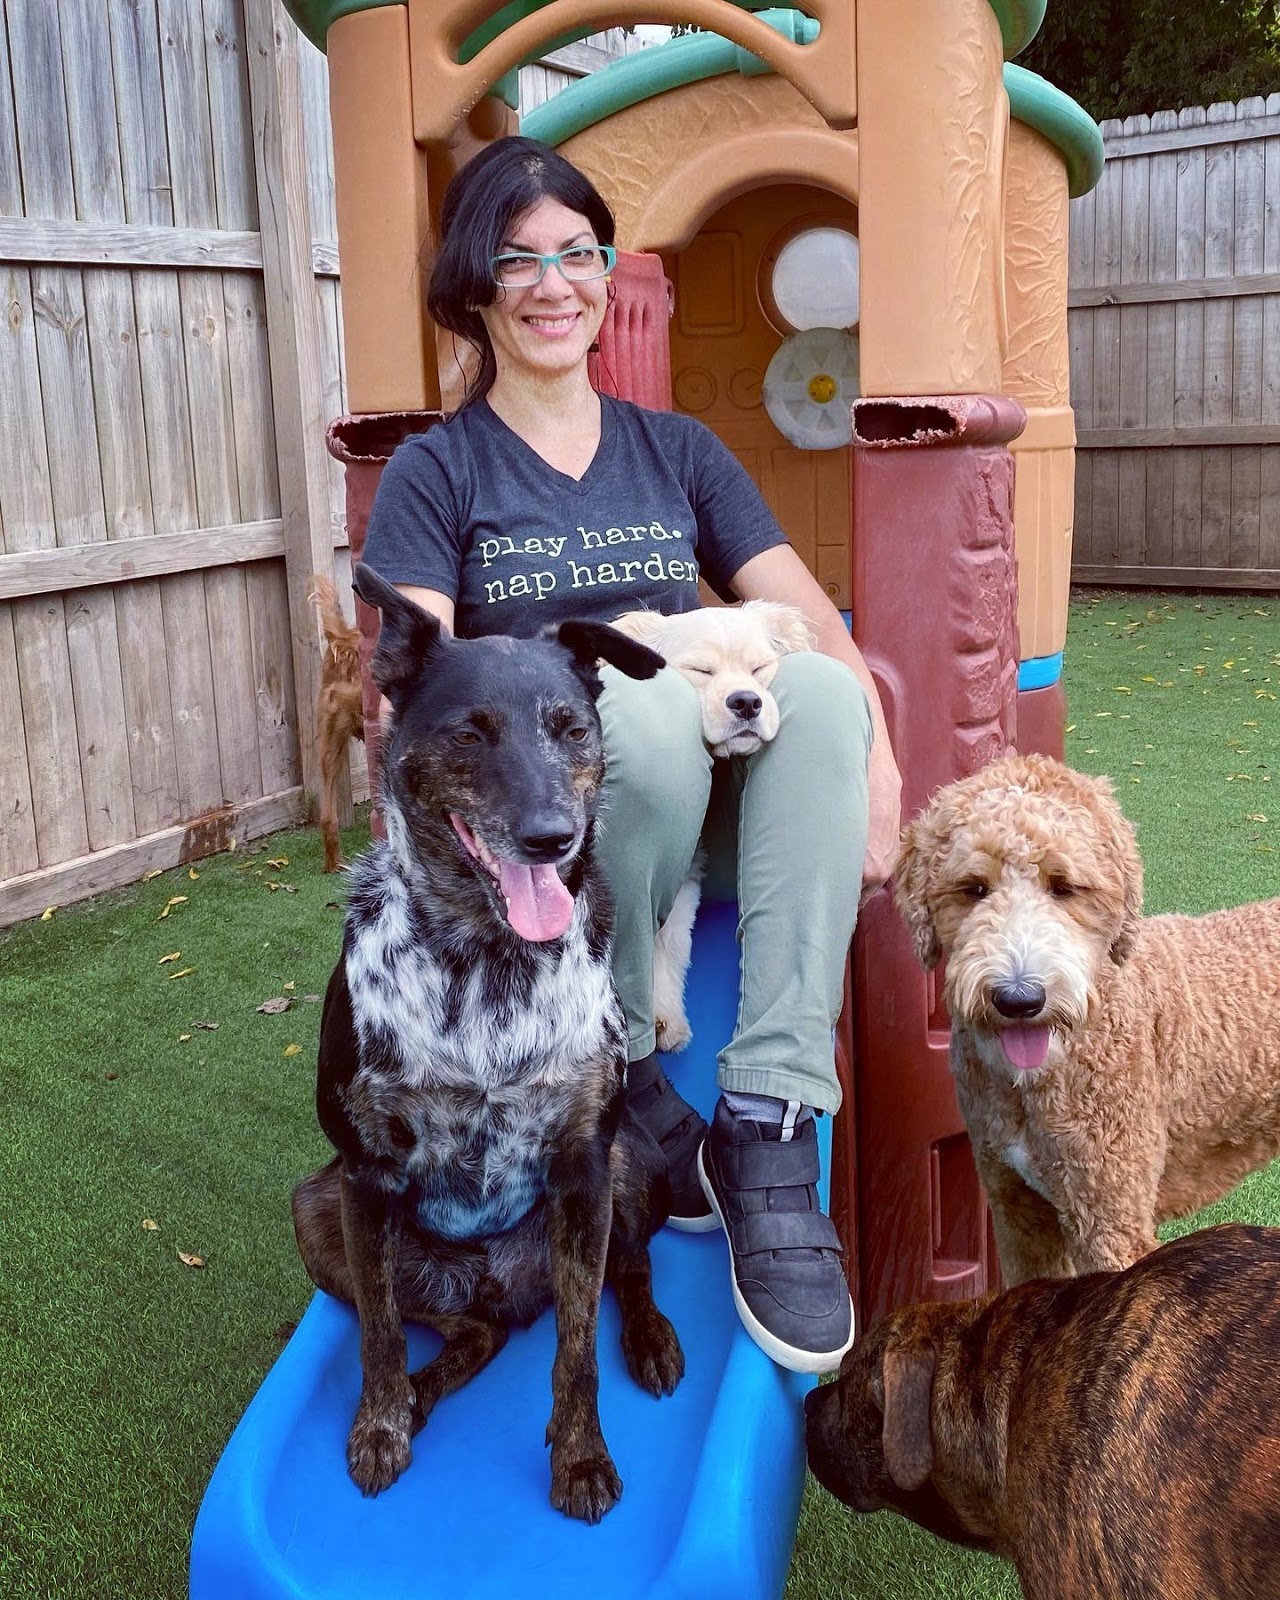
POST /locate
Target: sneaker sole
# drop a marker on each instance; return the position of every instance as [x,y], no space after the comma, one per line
[814,1363]
[707,1224]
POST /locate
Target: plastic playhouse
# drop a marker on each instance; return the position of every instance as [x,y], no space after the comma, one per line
[845,237]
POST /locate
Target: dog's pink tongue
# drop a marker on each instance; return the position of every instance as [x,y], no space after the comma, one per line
[539,907]
[1025,1045]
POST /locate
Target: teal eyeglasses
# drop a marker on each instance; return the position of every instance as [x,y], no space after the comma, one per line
[520,269]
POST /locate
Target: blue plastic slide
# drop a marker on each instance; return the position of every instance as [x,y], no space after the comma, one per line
[712,1475]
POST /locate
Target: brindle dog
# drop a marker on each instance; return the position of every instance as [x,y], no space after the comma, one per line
[1116,1436]
[473,1050]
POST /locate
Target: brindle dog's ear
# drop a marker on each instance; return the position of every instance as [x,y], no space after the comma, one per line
[908,1395]
[590,642]
[407,637]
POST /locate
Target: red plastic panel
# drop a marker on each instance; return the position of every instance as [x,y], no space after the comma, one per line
[634,360]
[1042,720]
[934,609]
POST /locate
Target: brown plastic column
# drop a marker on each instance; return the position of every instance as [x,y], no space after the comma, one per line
[935,614]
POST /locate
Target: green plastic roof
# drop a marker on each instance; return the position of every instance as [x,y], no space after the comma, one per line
[697,56]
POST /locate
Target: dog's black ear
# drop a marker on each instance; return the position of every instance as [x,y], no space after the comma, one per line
[591,642]
[908,1401]
[407,638]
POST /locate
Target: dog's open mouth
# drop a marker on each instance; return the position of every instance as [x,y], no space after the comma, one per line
[1026,1044]
[538,905]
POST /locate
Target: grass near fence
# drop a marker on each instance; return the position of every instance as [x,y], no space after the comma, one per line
[152,1118]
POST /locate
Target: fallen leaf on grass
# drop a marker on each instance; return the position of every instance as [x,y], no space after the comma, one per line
[174,900]
[278,862]
[1255,816]
[287,887]
[184,973]
[190,1261]
[231,845]
[332,905]
[273,1008]
[192,874]
[47,914]
[154,873]
[183,1038]
[150,1225]
[1123,688]
[312,999]
[172,956]
[292,1050]
[288,987]
[208,1027]
[111,1076]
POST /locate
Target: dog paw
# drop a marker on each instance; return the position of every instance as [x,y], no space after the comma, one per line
[585,1489]
[653,1354]
[378,1451]
[673,1035]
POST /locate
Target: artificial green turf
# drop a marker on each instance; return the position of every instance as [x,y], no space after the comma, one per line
[123,1371]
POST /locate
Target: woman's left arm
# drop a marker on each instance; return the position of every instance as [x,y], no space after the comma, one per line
[780,575]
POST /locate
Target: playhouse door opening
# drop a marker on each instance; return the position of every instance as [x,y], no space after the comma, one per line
[727,328]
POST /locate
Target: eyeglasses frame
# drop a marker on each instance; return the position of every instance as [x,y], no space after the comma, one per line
[608,251]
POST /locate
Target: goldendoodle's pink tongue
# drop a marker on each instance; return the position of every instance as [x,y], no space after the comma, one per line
[539,907]
[1026,1045]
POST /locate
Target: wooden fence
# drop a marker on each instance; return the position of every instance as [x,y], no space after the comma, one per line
[170,352]
[170,349]
[1175,351]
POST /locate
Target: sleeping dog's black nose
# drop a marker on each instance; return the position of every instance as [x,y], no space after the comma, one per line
[547,838]
[1022,998]
[744,704]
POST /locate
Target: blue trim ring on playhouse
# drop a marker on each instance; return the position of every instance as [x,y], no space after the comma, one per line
[1042,672]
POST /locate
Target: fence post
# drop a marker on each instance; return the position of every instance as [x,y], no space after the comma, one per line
[297,394]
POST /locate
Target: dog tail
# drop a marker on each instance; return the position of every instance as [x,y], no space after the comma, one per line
[324,597]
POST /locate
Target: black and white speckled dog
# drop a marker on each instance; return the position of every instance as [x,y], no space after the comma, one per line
[473,1050]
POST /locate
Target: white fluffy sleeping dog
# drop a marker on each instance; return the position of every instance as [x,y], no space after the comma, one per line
[730,655]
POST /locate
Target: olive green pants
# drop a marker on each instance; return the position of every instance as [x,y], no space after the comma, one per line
[785,829]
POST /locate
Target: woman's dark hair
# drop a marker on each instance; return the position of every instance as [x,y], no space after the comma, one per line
[481,206]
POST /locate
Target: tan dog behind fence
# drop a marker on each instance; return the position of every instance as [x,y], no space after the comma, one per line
[730,655]
[1113,1070]
[339,717]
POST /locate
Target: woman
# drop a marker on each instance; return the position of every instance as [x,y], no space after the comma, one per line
[541,500]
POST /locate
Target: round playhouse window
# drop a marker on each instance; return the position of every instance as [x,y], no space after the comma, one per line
[815,279]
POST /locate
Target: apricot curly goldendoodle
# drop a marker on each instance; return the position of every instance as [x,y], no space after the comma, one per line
[1113,1070]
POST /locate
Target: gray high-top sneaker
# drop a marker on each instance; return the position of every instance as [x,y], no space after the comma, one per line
[788,1273]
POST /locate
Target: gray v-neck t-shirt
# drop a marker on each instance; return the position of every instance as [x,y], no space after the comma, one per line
[472,511]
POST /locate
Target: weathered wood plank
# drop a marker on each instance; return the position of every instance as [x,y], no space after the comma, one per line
[1132,294]
[29,894]
[103,244]
[148,710]
[1108,198]
[1135,185]
[1209,436]
[1188,394]
[24,574]
[1192,577]
[1219,323]
[10,173]
[1161,339]
[96,683]
[1269,469]
[297,384]
[1118,146]
[18,851]
[48,715]
[1246,355]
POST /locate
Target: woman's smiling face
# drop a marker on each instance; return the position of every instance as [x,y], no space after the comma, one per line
[547,329]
